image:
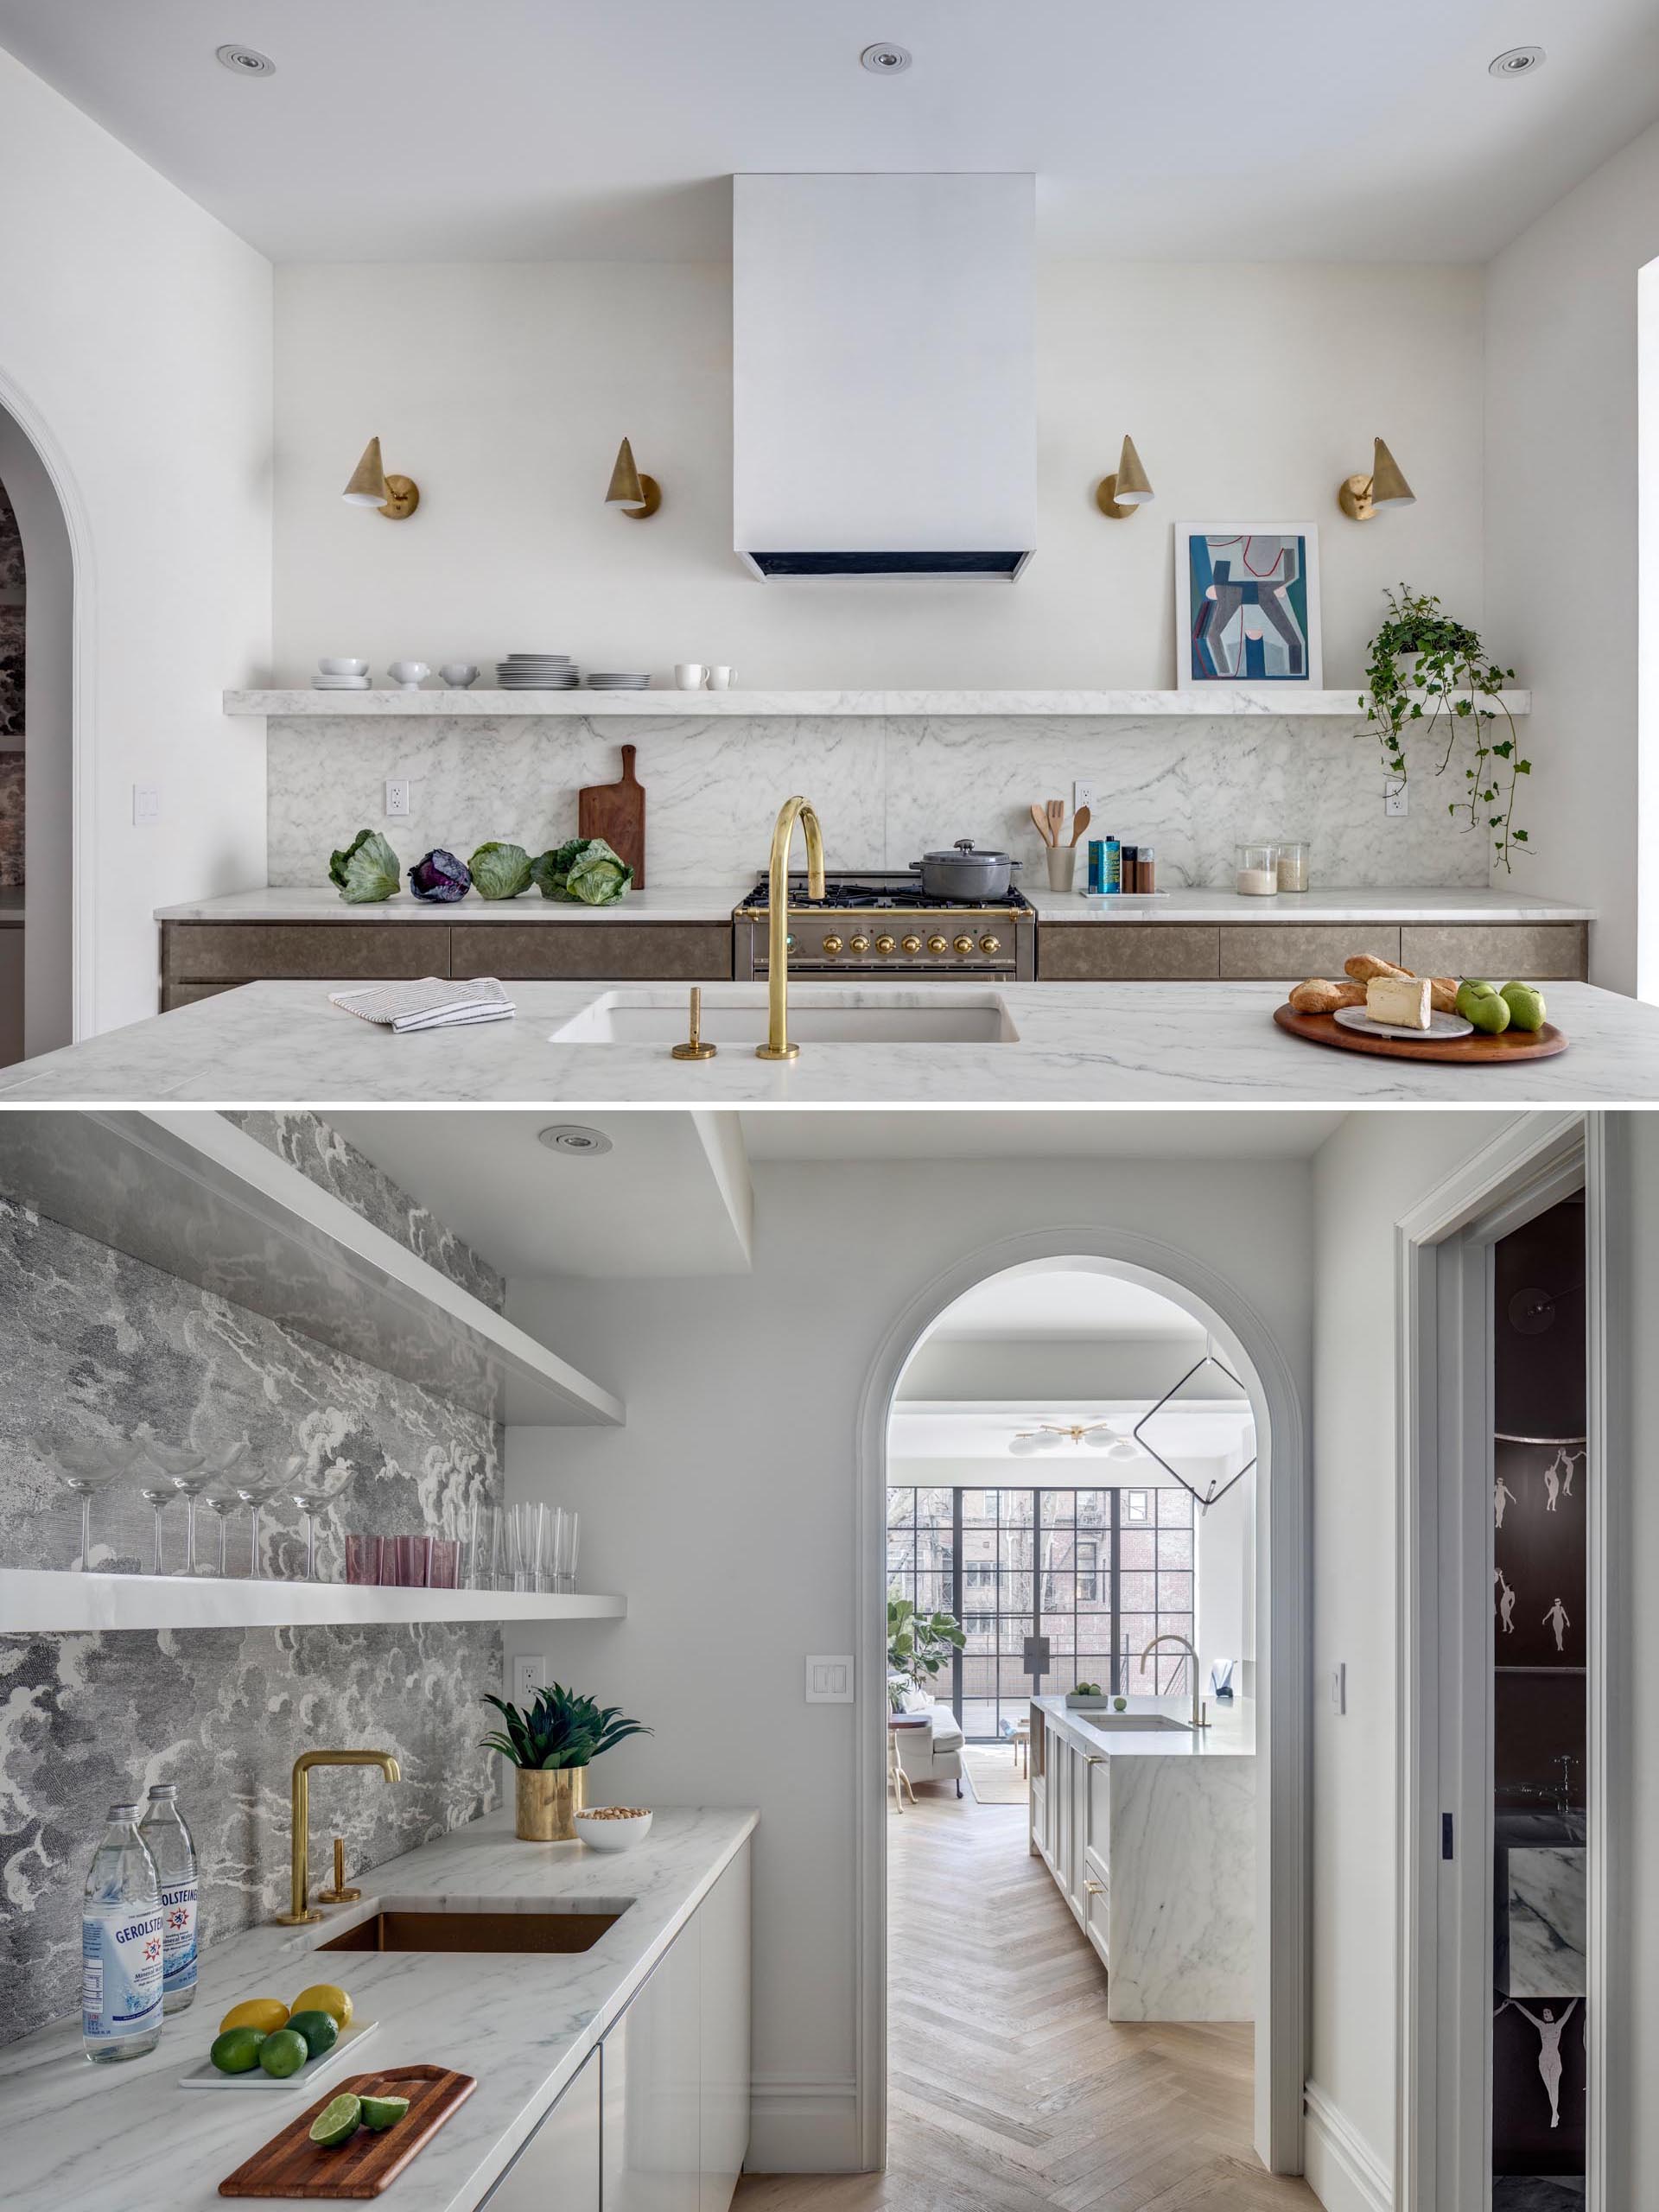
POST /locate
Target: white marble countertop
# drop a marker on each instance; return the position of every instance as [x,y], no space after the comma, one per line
[1464,903]
[281,1043]
[1232,1732]
[1205,703]
[710,902]
[127,2139]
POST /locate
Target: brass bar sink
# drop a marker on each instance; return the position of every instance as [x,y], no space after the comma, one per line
[404,1928]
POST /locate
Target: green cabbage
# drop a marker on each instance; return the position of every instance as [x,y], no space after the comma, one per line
[367,870]
[586,869]
[501,871]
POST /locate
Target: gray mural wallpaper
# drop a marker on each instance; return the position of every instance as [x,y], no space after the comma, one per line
[86,1720]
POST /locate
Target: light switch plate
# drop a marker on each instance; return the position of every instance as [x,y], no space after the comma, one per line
[829,1678]
[529,1674]
[146,805]
[1339,1687]
[399,797]
[1395,800]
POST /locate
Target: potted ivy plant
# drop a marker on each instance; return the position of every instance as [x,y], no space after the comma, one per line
[1426,669]
[552,1742]
[919,1647]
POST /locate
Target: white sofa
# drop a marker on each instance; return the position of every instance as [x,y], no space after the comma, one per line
[933,1753]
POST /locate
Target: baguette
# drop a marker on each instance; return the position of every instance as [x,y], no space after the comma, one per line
[1317,996]
[1365,966]
[1443,994]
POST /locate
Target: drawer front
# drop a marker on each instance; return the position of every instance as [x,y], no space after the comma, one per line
[670,952]
[241,952]
[1285,952]
[1125,952]
[1527,951]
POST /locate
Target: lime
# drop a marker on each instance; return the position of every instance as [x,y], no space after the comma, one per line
[381,2113]
[338,2120]
[284,2053]
[326,1997]
[319,2030]
[265,2014]
[237,2051]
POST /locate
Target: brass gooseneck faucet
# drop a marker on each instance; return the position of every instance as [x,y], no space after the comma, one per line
[777,1046]
[299,1911]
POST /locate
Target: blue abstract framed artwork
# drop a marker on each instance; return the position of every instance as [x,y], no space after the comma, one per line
[1247,604]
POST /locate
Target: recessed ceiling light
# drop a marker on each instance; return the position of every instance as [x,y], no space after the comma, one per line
[245,60]
[884,59]
[574,1137]
[1518,62]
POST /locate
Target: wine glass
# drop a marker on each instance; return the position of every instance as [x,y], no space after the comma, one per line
[251,1488]
[87,1464]
[189,1474]
[158,1494]
[222,1501]
[311,1491]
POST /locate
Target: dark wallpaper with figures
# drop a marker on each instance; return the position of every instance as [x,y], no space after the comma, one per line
[86,1720]
[11,698]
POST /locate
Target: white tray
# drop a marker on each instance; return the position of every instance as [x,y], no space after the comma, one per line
[1441,1027]
[207,2075]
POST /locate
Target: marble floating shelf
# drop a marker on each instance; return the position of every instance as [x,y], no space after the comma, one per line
[1215,702]
[195,1196]
[42,1601]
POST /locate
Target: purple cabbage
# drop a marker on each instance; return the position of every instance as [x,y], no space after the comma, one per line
[440,877]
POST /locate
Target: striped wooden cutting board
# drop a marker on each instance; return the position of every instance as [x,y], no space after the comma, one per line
[290,2164]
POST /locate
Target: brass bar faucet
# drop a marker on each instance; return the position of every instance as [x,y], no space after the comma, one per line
[777,1046]
[299,1912]
[1200,1719]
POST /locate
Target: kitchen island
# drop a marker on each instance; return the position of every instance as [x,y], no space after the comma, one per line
[1203,1043]
[128,2139]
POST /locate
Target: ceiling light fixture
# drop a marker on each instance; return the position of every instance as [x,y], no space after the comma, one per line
[1516,61]
[1047,1435]
[884,59]
[576,1138]
[245,62]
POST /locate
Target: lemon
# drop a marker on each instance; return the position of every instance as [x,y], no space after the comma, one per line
[284,2053]
[381,2113]
[337,2121]
[326,1997]
[318,2028]
[265,2014]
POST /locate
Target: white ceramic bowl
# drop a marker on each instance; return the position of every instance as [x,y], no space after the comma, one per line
[611,1834]
[342,668]
[457,675]
[407,674]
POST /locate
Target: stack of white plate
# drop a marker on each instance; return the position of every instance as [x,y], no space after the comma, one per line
[629,680]
[536,672]
[341,676]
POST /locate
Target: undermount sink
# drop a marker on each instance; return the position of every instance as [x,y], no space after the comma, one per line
[660,1018]
[464,1927]
[1135,1720]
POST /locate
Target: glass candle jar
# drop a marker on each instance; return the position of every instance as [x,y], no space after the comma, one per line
[1291,864]
[1255,870]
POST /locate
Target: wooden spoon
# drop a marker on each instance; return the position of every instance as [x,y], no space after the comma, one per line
[1042,820]
[1079,823]
[1056,812]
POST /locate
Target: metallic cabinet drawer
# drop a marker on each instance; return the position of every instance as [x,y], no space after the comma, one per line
[1530,952]
[241,952]
[1285,952]
[1125,952]
[693,952]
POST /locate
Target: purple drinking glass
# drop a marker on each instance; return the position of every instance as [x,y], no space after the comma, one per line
[363,1559]
[443,1567]
[404,1562]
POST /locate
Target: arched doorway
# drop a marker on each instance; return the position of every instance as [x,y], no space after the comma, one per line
[1226,1315]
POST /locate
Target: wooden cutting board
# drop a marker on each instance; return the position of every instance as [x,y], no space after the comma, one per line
[616,812]
[1478,1051]
[290,2164]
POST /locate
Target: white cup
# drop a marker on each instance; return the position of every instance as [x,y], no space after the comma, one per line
[688,675]
[343,667]
[407,674]
[721,679]
[458,675]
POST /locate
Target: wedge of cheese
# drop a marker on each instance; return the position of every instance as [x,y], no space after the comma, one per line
[1400,1000]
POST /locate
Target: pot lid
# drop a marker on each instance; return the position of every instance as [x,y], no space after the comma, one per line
[965,849]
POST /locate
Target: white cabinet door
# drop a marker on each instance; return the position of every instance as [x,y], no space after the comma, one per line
[650,2084]
[558,2170]
[723,1926]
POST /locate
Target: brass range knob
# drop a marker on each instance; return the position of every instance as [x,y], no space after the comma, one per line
[832,945]
[989,945]
[965,944]
[937,945]
[913,945]
[884,944]
[860,944]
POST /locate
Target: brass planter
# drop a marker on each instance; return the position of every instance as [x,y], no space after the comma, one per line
[548,1799]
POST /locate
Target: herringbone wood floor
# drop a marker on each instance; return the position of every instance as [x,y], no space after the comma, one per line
[1009,2090]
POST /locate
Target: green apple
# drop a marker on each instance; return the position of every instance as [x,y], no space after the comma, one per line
[1484,1004]
[1526,1005]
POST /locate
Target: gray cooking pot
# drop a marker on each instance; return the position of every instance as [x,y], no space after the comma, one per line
[963,873]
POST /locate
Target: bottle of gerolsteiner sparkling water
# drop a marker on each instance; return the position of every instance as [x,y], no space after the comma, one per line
[121,1946]
[169,1843]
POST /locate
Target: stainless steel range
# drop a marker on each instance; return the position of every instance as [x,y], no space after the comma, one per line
[883,919]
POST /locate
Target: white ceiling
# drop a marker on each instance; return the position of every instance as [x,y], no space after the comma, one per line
[1061,1305]
[1185,1433]
[1043,1133]
[508,130]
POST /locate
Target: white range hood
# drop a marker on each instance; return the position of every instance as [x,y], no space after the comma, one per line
[883,387]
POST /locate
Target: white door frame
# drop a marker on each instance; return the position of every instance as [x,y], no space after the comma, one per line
[1444,1715]
[1282,1617]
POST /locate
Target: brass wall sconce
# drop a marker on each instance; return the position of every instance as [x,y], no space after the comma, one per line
[1124,494]
[638,496]
[1363,498]
[395,497]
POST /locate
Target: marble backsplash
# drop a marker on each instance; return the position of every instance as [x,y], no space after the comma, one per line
[887,790]
[85,1719]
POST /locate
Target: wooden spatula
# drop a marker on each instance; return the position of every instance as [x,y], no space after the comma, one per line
[1042,820]
[1079,823]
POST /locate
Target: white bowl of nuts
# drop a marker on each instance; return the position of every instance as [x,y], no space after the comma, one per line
[612,1827]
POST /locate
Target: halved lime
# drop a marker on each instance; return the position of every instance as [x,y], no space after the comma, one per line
[337,2121]
[381,2113]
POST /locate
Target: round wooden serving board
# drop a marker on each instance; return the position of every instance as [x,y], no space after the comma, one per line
[1478,1051]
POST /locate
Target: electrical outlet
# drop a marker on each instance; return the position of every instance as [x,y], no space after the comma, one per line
[1083,794]
[399,795]
[1339,1687]
[529,1674]
[1395,800]
[146,805]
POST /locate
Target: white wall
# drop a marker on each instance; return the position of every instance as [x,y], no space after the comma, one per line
[725,1508]
[1561,534]
[135,346]
[504,390]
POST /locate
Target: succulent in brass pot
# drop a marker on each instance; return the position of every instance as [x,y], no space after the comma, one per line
[551,1742]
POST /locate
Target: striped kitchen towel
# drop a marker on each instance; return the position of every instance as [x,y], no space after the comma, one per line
[428,1002]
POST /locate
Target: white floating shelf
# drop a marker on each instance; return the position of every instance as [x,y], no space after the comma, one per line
[1207,704]
[195,1196]
[38,1601]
